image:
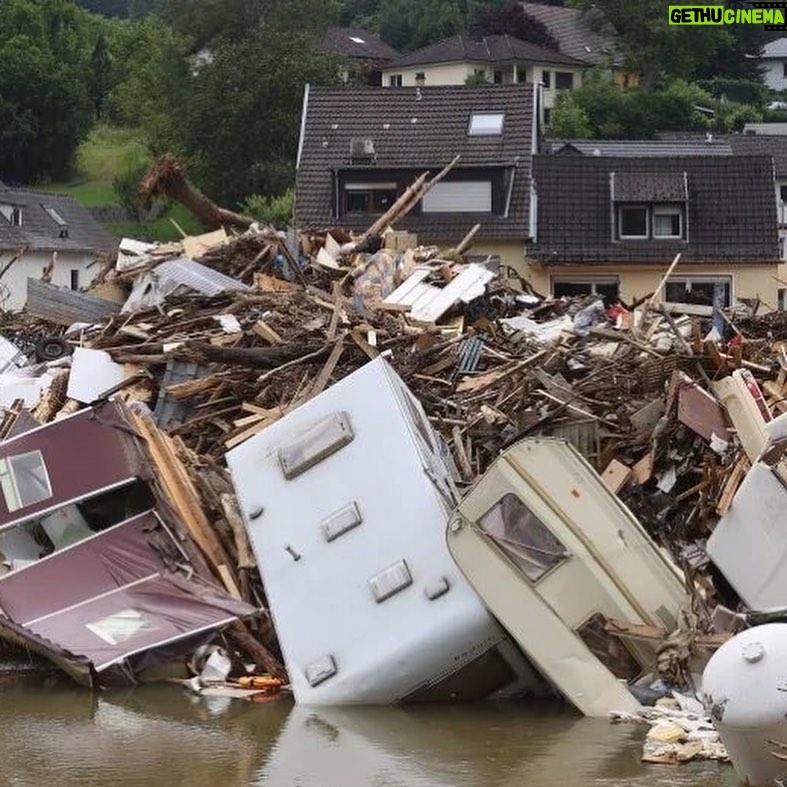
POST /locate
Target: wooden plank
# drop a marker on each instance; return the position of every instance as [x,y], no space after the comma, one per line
[367,348]
[265,332]
[615,476]
[327,370]
[178,487]
[484,381]
[731,485]
[461,455]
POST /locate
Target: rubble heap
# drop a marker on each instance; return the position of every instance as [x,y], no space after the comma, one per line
[218,337]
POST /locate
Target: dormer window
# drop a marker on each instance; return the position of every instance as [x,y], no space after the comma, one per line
[486,124]
[12,214]
[645,221]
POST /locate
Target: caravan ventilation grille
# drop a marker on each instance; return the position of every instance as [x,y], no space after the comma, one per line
[321,440]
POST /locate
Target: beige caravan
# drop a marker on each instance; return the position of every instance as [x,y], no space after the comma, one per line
[554,554]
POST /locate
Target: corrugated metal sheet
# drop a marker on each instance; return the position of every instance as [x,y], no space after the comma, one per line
[186,272]
[63,306]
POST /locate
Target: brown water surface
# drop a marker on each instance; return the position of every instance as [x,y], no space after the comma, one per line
[163,736]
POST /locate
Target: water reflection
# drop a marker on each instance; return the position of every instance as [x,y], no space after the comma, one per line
[162,736]
[458,746]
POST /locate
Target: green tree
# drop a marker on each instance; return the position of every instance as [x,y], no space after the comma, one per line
[237,118]
[45,49]
[662,52]
[568,119]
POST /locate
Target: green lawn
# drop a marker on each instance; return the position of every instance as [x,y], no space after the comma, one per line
[109,152]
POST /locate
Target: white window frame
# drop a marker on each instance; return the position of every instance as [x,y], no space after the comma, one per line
[9,484]
[667,210]
[486,124]
[628,206]
[593,281]
[727,279]
[562,74]
[395,80]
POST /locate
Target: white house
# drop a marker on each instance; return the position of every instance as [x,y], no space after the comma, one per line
[498,59]
[37,228]
[774,57]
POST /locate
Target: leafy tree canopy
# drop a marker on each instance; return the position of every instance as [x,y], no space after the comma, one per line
[45,50]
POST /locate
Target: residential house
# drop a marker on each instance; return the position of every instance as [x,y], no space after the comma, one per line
[583,35]
[37,228]
[774,58]
[611,225]
[499,59]
[754,144]
[363,54]
[361,148]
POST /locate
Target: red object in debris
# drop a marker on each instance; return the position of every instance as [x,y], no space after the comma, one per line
[756,393]
[736,341]
[614,311]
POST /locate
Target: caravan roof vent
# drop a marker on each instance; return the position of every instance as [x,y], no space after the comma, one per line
[362,150]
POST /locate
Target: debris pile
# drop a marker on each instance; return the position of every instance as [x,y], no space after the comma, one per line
[215,338]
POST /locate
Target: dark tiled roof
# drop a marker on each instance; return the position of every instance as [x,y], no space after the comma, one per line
[356,42]
[773,145]
[731,210]
[576,32]
[639,147]
[413,136]
[490,49]
[40,231]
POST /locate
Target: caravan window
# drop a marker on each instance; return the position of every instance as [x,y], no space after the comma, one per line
[24,480]
[524,538]
[608,649]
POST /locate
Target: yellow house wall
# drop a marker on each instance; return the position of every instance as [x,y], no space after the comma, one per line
[637,281]
[440,74]
[511,253]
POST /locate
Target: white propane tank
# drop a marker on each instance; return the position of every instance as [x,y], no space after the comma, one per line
[744,689]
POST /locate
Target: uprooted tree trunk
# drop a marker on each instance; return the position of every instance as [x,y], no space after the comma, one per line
[167,178]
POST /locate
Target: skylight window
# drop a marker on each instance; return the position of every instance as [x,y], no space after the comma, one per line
[357,40]
[486,124]
[55,216]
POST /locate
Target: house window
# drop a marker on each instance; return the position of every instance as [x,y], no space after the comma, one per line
[479,73]
[395,80]
[521,75]
[701,290]
[667,221]
[546,78]
[784,70]
[633,221]
[608,649]
[547,116]
[24,480]
[368,197]
[659,221]
[16,216]
[483,124]
[606,287]
[523,537]
[564,80]
[471,196]
[74,278]
[420,78]
[783,193]
[497,77]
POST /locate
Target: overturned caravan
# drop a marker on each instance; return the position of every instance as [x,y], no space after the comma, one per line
[556,557]
[98,573]
[346,501]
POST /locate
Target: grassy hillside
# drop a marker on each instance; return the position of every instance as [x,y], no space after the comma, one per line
[105,154]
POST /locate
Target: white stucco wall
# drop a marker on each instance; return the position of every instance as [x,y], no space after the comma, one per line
[13,284]
[774,73]
[456,74]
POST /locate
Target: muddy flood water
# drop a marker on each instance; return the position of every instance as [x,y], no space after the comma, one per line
[162,736]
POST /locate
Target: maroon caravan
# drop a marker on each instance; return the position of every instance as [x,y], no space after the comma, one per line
[99,576]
